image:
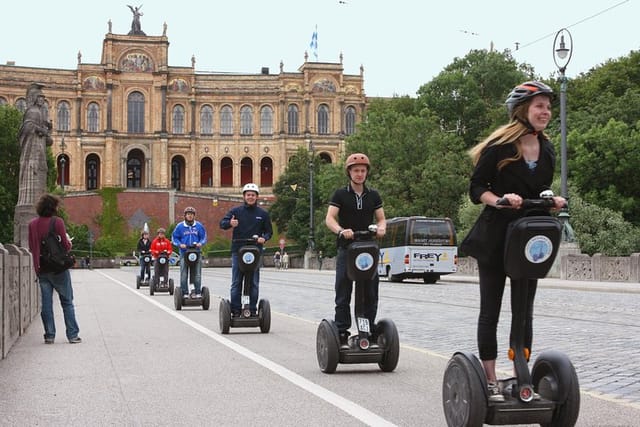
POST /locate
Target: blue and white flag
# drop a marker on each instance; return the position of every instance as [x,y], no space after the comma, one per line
[314,43]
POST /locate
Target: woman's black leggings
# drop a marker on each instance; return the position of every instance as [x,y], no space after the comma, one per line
[492,281]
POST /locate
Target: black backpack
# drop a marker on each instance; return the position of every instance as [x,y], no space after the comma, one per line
[54,257]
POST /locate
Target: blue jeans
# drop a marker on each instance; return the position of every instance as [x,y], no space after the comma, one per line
[237,277]
[62,284]
[344,287]
[145,269]
[196,276]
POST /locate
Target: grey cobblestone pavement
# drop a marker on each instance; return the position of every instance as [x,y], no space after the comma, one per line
[594,323]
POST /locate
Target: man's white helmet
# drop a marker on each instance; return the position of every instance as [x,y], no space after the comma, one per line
[250,187]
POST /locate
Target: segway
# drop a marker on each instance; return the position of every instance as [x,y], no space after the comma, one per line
[145,260]
[191,256]
[362,265]
[248,261]
[160,282]
[549,395]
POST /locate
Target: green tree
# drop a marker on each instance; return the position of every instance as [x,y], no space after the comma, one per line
[10,120]
[605,166]
[468,95]
[417,168]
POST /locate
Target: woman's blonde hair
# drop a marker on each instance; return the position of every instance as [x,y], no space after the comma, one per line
[507,134]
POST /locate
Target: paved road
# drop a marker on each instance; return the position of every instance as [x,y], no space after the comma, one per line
[143,363]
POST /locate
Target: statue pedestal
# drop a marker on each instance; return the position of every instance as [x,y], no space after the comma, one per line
[21,218]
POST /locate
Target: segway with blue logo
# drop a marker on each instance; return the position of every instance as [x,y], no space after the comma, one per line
[549,395]
[160,282]
[383,347]
[249,257]
[191,257]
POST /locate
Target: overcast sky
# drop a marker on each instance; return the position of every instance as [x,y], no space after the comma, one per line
[402,44]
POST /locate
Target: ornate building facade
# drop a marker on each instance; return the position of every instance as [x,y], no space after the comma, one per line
[134,121]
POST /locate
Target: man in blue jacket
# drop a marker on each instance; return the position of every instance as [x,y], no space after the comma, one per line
[189,233]
[247,220]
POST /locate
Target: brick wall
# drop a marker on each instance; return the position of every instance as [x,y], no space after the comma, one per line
[156,207]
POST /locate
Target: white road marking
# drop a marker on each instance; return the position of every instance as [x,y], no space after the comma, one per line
[351,408]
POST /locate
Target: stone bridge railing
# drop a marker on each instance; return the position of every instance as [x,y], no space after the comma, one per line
[19,295]
[597,268]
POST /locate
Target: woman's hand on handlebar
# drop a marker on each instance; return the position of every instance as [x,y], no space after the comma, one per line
[261,240]
[560,202]
[509,201]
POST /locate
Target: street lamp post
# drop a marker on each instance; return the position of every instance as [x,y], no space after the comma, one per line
[562,52]
[311,221]
[63,162]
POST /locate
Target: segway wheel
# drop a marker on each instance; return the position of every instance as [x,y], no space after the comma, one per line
[264,315]
[177,300]
[389,340]
[327,346]
[137,282]
[463,397]
[224,314]
[206,300]
[170,286]
[152,286]
[554,378]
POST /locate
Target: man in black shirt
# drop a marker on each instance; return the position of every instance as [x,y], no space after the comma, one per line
[352,209]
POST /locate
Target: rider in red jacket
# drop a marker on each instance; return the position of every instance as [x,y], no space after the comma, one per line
[160,244]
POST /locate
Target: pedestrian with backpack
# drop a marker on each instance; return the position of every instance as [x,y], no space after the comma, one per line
[47,208]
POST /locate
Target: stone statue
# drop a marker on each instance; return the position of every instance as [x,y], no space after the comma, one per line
[109,25]
[34,136]
[136,28]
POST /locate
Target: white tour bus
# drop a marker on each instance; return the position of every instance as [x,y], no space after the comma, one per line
[418,247]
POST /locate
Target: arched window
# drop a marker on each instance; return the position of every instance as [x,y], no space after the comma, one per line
[226,120]
[325,157]
[266,172]
[135,169]
[266,120]
[92,171]
[323,119]
[206,120]
[177,173]
[135,113]
[63,116]
[246,170]
[292,119]
[93,117]
[178,119]
[3,100]
[21,105]
[246,120]
[226,172]
[349,120]
[206,172]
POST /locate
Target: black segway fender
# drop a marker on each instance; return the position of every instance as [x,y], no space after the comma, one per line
[327,346]
[224,315]
[206,298]
[177,300]
[264,315]
[558,365]
[389,340]
[464,391]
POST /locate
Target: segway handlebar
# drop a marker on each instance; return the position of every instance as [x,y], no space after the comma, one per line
[252,239]
[369,232]
[545,201]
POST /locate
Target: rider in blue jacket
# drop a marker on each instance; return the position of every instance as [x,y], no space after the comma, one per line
[189,233]
[247,220]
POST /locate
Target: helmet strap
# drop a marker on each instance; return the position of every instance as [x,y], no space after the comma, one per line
[528,126]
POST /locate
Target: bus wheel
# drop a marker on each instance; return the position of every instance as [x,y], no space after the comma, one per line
[430,278]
